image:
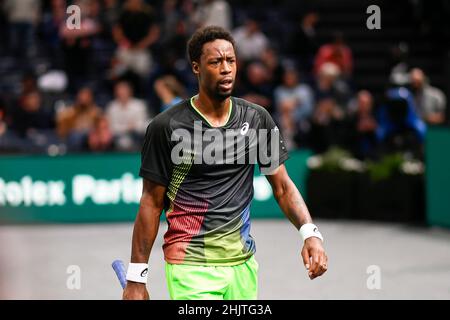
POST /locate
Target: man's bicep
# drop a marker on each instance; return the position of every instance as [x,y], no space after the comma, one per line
[278,178]
[153,194]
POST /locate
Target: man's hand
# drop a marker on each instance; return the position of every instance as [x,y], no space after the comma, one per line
[314,257]
[135,291]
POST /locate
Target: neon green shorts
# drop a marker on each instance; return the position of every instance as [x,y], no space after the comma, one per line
[189,282]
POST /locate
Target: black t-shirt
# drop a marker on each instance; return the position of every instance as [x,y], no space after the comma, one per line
[41,119]
[135,24]
[210,182]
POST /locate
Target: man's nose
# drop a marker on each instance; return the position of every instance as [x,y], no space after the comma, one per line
[225,68]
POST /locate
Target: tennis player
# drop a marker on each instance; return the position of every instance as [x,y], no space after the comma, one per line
[206,195]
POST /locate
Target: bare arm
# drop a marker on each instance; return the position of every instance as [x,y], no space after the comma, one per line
[294,207]
[163,91]
[119,36]
[86,29]
[144,233]
[436,118]
[151,37]
[289,198]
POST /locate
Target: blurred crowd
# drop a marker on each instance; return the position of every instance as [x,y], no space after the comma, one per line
[95,88]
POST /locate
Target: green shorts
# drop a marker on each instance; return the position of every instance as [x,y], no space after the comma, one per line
[189,282]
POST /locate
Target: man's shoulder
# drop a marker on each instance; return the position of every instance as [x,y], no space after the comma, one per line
[137,103]
[111,105]
[238,32]
[249,106]
[434,91]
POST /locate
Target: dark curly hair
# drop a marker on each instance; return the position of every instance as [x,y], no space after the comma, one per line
[205,35]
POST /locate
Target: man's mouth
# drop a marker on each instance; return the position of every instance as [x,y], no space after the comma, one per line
[226,84]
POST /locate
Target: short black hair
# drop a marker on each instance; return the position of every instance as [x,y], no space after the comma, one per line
[205,35]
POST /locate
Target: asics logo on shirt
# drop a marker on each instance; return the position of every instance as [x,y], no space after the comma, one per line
[245,128]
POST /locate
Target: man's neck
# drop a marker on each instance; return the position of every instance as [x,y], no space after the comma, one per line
[216,111]
[124,102]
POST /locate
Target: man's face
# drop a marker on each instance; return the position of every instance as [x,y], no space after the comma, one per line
[290,78]
[417,78]
[364,102]
[217,69]
[123,91]
[85,97]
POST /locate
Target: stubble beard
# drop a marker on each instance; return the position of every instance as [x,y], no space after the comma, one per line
[219,95]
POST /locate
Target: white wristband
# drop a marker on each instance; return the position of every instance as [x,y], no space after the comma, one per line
[137,272]
[309,230]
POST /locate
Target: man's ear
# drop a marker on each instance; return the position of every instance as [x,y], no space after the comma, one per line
[196,68]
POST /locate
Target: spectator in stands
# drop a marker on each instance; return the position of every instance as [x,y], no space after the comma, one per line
[400,128]
[213,12]
[303,43]
[329,84]
[34,122]
[336,52]
[169,19]
[429,101]
[250,40]
[28,84]
[31,115]
[98,13]
[3,125]
[294,103]
[398,64]
[271,60]
[173,60]
[77,46]
[170,91]
[52,21]
[187,9]
[100,137]
[23,17]
[9,140]
[299,94]
[128,117]
[74,123]
[135,32]
[362,126]
[256,86]
[284,116]
[327,125]
[111,13]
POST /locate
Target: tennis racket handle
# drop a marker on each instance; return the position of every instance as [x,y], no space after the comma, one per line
[119,269]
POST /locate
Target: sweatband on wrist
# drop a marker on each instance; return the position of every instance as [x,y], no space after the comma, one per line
[137,272]
[309,230]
